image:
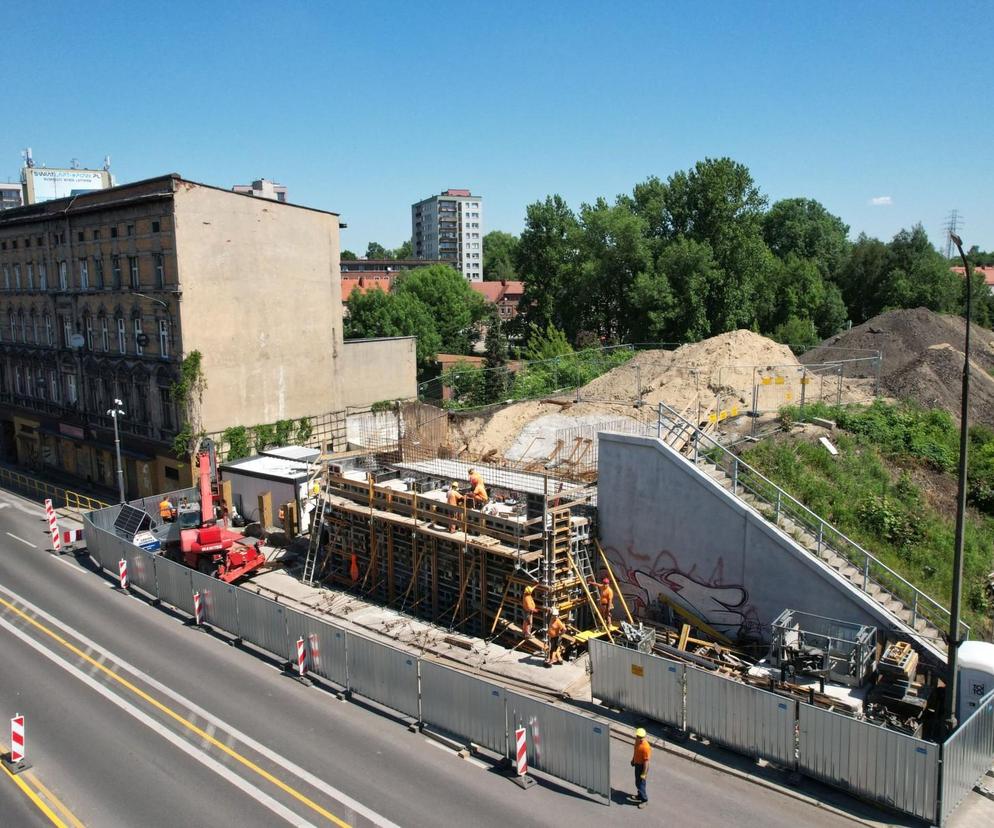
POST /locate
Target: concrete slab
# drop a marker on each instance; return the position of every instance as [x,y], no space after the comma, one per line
[423,638]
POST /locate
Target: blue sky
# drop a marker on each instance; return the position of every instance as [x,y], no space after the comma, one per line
[364,108]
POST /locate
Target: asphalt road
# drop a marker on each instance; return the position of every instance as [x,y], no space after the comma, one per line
[135,719]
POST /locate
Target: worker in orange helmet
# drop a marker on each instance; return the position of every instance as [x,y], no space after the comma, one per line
[555,632]
[479,494]
[474,478]
[640,761]
[607,600]
[453,498]
[528,609]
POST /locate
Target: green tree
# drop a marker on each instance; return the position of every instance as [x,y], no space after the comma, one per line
[377,313]
[863,277]
[375,250]
[546,259]
[799,334]
[405,251]
[546,344]
[449,300]
[496,379]
[802,227]
[348,256]
[799,290]
[499,250]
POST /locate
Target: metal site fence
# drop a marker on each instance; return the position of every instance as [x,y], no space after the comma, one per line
[567,745]
[915,776]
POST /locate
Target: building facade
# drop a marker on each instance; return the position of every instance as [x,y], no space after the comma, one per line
[103,296]
[449,228]
[505,294]
[262,188]
[11,196]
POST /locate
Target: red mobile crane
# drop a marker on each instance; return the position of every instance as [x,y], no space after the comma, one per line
[206,543]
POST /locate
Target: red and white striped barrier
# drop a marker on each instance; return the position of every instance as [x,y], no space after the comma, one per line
[53,525]
[198,609]
[521,752]
[72,536]
[17,746]
[122,567]
[301,657]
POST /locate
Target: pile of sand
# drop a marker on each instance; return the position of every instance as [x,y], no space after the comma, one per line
[922,359]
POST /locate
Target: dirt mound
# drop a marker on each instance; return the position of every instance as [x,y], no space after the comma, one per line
[922,358]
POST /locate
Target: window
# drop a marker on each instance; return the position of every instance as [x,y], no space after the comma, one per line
[63,276]
[131,229]
[79,236]
[34,328]
[115,269]
[24,326]
[28,380]
[13,325]
[13,244]
[122,336]
[155,227]
[104,339]
[160,271]
[133,270]
[84,274]
[88,322]
[164,338]
[39,241]
[53,378]
[71,389]
[43,276]
[138,333]
[31,276]
[96,235]
[98,272]
[66,331]
[113,232]
[48,328]
[18,382]
[6,277]
[17,277]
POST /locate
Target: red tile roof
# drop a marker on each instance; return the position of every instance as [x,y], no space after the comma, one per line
[988,273]
[364,283]
[503,290]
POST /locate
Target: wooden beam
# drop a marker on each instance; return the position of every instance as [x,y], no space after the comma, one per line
[617,590]
[590,599]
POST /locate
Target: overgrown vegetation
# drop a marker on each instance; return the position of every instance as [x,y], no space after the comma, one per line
[187,394]
[885,489]
[238,441]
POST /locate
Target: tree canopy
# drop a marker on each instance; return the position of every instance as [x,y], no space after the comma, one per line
[499,250]
[378,313]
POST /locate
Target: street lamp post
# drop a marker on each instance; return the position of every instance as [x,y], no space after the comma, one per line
[114,413]
[952,680]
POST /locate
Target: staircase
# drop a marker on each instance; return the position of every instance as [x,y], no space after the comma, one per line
[917,611]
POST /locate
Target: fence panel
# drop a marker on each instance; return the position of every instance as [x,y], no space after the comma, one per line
[218,600]
[869,761]
[325,646]
[564,744]
[141,569]
[101,545]
[967,755]
[175,586]
[383,674]
[464,706]
[642,683]
[744,718]
[261,622]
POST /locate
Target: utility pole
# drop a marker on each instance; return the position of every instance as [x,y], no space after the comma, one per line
[952,679]
[114,413]
[953,223]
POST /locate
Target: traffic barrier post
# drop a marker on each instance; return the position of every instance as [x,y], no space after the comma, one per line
[15,761]
[53,525]
[122,568]
[198,610]
[301,657]
[521,776]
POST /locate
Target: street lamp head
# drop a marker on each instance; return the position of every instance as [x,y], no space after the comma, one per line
[118,402]
[956,239]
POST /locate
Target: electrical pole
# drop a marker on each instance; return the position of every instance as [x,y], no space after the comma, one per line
[952,679]
[114,413]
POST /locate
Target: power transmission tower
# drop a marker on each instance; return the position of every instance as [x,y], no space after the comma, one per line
[953,223]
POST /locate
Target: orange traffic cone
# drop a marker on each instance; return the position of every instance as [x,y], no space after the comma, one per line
[354,569]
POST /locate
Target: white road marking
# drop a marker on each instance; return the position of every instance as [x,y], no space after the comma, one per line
[225,773]
[26,543]
[74,567]
[305,775]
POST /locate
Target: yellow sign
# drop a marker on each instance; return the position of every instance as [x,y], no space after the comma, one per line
[766,380]
[779,380]
[637,670]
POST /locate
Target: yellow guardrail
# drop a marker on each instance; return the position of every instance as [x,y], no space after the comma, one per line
[60,497]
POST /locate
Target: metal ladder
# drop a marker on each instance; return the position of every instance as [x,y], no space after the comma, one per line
[314,542]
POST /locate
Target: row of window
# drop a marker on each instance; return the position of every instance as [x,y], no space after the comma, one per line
[12,274]
[28,329]
[59,237]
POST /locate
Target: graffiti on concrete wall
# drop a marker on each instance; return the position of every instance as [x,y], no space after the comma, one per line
[725,606]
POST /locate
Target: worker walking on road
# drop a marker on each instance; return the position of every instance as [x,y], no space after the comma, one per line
[640,761]
[453,498]
[555,632]
[607,601]
[166,510]
[528,609]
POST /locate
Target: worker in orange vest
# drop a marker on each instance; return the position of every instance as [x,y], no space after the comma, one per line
[166,510]
[479,494]
[528,609]
[607,600]
[555,632]
[640,761]
[474,478]
[453,498]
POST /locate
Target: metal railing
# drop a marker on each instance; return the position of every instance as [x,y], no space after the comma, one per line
[60,497]
[778,505]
